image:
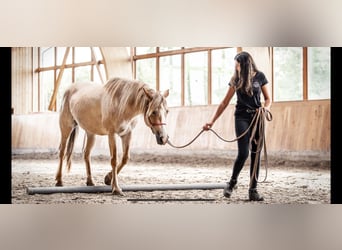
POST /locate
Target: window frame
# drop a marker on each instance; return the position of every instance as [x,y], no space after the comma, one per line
[305,77]
[94,64]
[184,50]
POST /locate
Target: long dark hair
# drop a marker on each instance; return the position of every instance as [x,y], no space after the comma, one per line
[243,80]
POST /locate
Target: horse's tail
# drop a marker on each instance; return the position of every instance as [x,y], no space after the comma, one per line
[70,145]
[66,117]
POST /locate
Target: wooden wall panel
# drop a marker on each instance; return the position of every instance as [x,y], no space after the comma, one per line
[296,127]
[300,126]
[35,131]
[22,72]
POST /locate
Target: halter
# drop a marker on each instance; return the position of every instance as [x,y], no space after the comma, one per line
[153,124]
[147,118]
[156,124]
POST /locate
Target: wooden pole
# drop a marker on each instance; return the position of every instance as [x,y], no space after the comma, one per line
[58,81]
[96,63]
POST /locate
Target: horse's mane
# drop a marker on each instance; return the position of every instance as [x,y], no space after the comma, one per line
[124,93]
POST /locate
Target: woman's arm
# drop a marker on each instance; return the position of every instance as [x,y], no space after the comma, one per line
[267,97]
[230,93]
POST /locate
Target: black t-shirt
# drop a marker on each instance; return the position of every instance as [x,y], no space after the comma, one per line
[245,101]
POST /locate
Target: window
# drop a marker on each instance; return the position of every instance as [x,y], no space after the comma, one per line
[145,50]
[301,73]
[65,83]
[58,67]
[189,74]
[223,67]
[194,75]
[196,78]
[288,73]
[170,78]
[318,73]
[200,76]
[169,48]
[47,57]
[46,89]
[146,71]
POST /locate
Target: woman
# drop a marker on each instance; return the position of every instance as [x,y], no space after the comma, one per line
[248,83]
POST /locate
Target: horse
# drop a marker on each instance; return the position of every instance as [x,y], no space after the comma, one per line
[108,109]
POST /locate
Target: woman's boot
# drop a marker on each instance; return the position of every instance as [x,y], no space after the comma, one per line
[227,191]
[254,195]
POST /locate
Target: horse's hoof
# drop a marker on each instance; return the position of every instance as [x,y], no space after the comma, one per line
[59,184]
[118,192]
[108,179]
[90,183]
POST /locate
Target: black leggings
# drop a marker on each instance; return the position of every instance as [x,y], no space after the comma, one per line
[241,124]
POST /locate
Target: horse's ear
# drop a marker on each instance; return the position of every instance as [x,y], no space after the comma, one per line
[166,93]
[148,94]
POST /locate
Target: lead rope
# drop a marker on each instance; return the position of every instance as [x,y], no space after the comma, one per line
[258,121]
[261,115]
[220,137]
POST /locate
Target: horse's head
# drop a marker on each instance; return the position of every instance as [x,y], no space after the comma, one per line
[155,115]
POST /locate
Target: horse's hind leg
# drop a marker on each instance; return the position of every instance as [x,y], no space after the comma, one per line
[89,145]
[61,156]
[65,132]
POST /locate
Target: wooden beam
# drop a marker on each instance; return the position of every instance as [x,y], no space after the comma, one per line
[175,52]
[54,74]
[133,62]
[157,71]
[59,78]
[305,74]
[209,88]
[270,51]
[73,61]
[182,80]
[39,82]
[96,64]
[73,65]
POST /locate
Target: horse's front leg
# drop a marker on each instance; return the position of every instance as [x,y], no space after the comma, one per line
[116,190]
[126,140]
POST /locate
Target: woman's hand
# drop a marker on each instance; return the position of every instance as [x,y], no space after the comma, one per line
[267,113]
[267,109]
[208,125]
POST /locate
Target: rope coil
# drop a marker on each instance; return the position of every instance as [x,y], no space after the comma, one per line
[257,125]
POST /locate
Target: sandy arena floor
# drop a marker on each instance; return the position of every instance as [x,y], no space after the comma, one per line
[288,181]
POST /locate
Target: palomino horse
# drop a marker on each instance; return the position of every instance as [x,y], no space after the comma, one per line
[109,109]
